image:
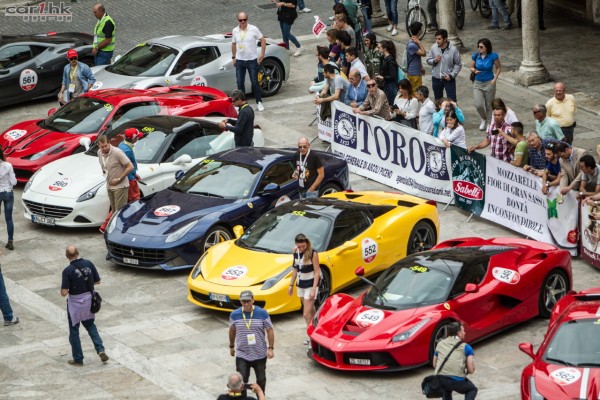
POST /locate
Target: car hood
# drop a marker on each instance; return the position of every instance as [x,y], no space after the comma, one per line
[68,177]
[358,323]
[253,266]
[562,382]
[105,79]
[167,211]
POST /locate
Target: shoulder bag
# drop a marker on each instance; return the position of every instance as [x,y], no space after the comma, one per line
[96,299]
[432,385]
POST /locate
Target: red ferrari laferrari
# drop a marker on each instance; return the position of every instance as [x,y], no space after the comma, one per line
[30,145]
[488,284]
[567,364]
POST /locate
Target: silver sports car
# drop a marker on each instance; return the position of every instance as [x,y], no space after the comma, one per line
[191,60]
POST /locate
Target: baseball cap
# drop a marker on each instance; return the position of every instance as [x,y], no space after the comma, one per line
[246,295]
[72,53]
[132,133]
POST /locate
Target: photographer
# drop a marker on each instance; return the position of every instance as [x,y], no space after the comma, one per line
[236,391]
[501,148]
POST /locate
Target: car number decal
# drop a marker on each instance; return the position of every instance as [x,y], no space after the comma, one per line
[108,107]
[369,250]
[165,211]
[97,86]
[147,129]
[235,272]
[199,81]
[369,318]
[207,160]
[565,376]
[418,268]
[28,80]
[506,275]
[15,134]
[283,199]
[299,213]
[59,184]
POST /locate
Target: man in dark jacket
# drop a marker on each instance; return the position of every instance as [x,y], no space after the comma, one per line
[243,127]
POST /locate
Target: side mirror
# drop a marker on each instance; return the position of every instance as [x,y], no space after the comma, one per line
[270,188]
[471,288]
[238,231]
[527,348]
[85,142]
[51,111]
[185,72]
[179,174]
[360,271]
[182,159]
[347,246]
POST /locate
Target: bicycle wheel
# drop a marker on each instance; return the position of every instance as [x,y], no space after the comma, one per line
[460,14]
[417,14]
[484,9]
[474,4]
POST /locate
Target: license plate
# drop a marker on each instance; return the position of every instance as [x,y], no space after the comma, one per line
[132,261]
[38,219]
[219,297]
[360,361]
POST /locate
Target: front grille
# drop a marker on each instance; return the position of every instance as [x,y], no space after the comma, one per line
[379,359]
[232,304]
[46,210]
[150,256]
[325,353]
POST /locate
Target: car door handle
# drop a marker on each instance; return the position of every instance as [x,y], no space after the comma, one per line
[378,237]
[39,67]
[223,68]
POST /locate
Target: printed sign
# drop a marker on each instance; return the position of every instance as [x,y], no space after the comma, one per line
[59,184]
[565,376]
[28,79]
[15,134]
[97,85]
[506,275]
[318,27]
[235,272]
[165,211]
[369,250]
[199,81]
[468,179]
[369,318]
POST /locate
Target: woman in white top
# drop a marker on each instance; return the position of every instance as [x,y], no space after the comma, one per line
[7,181]
[453,133]
[406,105]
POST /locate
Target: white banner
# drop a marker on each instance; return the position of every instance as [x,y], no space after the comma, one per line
[393,154]
[325,128]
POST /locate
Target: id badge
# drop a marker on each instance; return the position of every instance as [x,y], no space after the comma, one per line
[71,88]
[301,182]
[241,47]
[251,339]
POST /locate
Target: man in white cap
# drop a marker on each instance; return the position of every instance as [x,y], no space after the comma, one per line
[251,333]
[131,137]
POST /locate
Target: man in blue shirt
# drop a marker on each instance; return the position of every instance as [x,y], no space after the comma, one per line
[357,90]
[131,137]
[552,174]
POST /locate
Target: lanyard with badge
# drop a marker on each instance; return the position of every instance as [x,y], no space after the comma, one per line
[72,74]
[104,159]
[303,169]
[241,41]
[251,336]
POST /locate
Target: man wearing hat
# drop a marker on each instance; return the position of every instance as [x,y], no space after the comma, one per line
[131,137]
[251,334]
[77,78]
[243,126]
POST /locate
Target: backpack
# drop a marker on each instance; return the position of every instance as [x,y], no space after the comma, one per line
[401,75]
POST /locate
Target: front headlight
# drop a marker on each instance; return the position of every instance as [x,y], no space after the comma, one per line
[90,194]
[112,223]
[269,283]
[197,269]
[30,181]
[179,233]
[534,394]
[53,149]
[408,333]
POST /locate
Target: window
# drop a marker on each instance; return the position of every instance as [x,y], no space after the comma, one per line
[470,273]
[279,174]
[129,112]
[194,58]
[14,55]
[187,142]
[348,225]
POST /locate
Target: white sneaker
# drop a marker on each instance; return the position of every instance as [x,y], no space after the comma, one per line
[394,32]
[299,52]
[482,125]
[260,106]
[389,28]
[332,18]
[306,10]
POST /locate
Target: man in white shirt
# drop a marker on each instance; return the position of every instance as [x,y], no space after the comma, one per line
[426,111]
[356,63]
[244,52]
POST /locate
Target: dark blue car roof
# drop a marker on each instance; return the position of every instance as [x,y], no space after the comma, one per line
[254,156]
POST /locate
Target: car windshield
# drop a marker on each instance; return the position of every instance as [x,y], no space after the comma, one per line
[80,115]
[275,231]
[219,178]
[408,284]
[147,148]
[576,344]
[145,60]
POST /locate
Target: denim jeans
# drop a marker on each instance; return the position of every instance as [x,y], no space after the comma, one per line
[432,11]
[391,9]
[305,194]
[439,85]
[7,311]
[301,5]
[8,198]
[260,370]
[391,90]
[75,341]
[483,94]
[241,66]
[499,5]
[286,32]
[103,57]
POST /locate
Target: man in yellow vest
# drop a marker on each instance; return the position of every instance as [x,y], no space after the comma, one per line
[104,36]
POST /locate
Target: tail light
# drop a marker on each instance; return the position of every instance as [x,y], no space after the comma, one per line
[282,45]
[431,203]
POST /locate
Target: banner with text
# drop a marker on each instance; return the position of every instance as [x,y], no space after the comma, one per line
[468,179]
[324,126]
[590,233]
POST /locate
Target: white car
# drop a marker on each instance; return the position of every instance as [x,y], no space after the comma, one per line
[71,191]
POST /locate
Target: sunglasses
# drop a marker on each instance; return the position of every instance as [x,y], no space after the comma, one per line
[303,146]
[481,47]
[535,111]
[73,59]
[371,85]
[245,301]
[243,20]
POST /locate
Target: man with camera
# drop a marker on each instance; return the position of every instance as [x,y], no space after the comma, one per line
[501,148]
[236,387]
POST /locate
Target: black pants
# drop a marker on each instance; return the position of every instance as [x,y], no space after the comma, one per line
[260,370]
[568,132]
[465,387]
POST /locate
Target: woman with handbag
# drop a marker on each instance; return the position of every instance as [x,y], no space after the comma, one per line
[485,69]
[406,105]
[286,15]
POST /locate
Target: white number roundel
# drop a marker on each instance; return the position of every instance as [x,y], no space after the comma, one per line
[369,250]
[165,211]
[28,79]
[369,318]
[59,184]
[235,272]
[506,275]
[15,134]
[565,376]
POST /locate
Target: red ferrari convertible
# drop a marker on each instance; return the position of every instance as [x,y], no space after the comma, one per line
[488,284]
[567,364]
[30,145]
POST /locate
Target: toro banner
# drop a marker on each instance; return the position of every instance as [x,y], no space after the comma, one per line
[392,154]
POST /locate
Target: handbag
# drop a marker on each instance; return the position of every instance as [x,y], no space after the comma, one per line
[472,77]
[432,385]
[96,298]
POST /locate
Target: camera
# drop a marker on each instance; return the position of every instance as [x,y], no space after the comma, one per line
[495,131]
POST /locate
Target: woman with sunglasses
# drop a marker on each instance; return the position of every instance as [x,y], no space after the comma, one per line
[78,78]
[406,105]
[306,274]
[485,65]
